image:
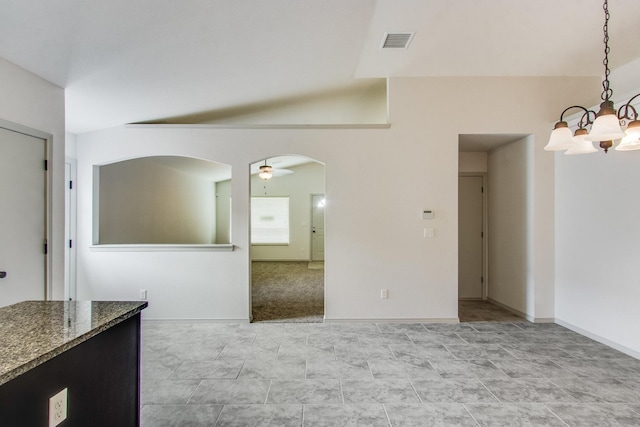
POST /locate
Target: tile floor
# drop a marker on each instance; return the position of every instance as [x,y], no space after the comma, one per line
[388,374]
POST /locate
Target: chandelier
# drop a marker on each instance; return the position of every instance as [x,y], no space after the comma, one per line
[605,126]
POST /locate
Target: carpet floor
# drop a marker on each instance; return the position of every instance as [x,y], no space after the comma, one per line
[291,291]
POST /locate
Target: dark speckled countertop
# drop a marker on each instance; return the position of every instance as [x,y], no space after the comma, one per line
[33,332]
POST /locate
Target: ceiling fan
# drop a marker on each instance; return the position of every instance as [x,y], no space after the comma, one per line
[267,172]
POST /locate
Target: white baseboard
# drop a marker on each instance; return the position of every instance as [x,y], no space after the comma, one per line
[602,340]
[511,309]
[396,320]
[521,314]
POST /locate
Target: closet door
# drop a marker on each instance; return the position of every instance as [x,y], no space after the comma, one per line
[22,217]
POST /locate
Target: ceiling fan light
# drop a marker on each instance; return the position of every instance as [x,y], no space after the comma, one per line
[265,172]
[606,126]
[632,140]
[561,138]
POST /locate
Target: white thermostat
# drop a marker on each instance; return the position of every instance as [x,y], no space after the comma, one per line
[427,214]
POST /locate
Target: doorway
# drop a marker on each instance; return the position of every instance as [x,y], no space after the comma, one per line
[504,161]
[23,191]
[287,240]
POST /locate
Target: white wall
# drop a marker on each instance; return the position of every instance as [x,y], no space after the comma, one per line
[38,104]
[508,222]
[363,104]
[142,201]
[597,250]
[378,181]
[223,213]
[306,180]
[70,145]
[469,162]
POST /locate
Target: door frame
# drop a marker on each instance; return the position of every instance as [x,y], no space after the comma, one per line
[485,229]
[48,190]
[70,244]
[312,195]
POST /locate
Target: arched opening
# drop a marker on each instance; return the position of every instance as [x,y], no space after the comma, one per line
[162,200]
[287,239]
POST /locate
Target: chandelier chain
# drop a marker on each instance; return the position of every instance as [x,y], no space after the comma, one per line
[607,92]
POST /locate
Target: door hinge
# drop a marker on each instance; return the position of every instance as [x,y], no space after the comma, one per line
[70,244]
[70,185]
[45,247]
[45,165]
[482,189]
[481,279]
[482,234]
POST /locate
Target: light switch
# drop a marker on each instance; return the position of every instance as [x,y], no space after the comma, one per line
[429,232]
[427,215]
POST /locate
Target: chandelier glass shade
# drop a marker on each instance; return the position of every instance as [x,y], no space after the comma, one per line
[605,126]
[632,140]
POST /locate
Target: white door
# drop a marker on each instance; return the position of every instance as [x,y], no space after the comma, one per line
[22,217]
[317,228]
[470,237]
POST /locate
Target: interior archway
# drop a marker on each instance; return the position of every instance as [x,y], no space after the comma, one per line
[162,200]
[287,239]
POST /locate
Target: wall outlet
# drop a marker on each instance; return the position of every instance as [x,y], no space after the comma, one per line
[143,294]
[58,408]
[384,293]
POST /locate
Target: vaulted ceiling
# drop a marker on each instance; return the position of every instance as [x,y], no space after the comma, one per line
[124,61]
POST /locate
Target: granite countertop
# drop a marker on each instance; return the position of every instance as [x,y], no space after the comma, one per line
[33,332]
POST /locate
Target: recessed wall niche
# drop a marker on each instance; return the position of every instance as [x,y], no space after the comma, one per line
[162,200]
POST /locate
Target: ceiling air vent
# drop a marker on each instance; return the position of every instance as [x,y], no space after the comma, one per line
[396,40]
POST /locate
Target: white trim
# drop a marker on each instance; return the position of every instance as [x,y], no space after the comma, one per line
[612,344]
[15,127]
[397,320]
[70,280]
[544,320]
[521,314]
[162,248]
[512,310]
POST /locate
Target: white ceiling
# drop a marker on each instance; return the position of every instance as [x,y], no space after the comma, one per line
[124,61]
